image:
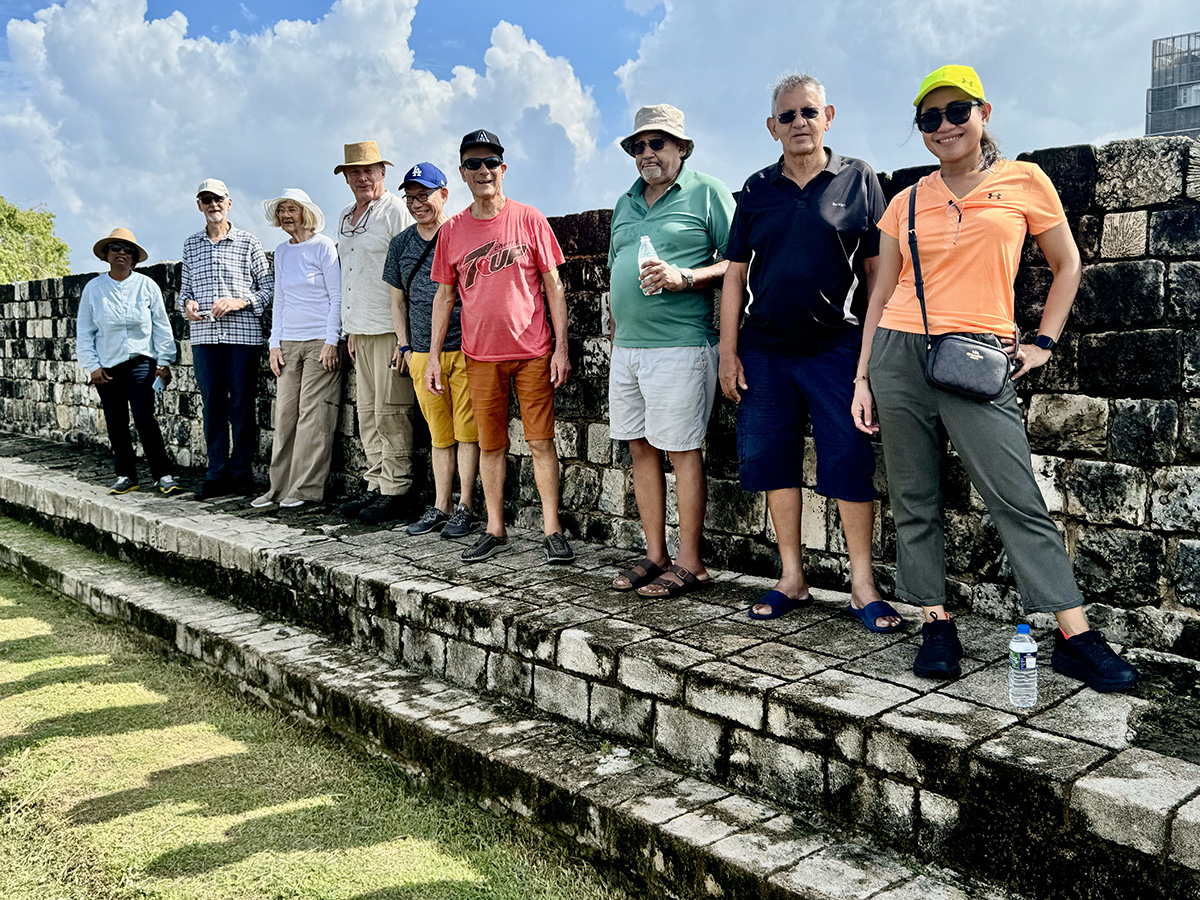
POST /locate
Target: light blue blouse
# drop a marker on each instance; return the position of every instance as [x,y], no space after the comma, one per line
[119,320]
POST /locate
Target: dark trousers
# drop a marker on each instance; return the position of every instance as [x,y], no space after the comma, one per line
[132,388]
[227,375]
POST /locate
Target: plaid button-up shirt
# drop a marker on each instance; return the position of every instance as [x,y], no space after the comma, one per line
[234,266]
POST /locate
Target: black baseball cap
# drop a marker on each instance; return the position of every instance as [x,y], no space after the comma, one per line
[480,138]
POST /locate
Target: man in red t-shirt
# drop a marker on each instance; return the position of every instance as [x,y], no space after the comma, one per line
[501,255]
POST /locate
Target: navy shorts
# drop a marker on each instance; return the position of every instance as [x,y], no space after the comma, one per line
[783,394]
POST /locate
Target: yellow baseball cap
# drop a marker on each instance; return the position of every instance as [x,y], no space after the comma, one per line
[962,77]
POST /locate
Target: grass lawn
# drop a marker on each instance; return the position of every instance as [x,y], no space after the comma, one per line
[123,775]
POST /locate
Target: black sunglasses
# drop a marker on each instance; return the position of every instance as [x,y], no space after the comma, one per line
[120,248]
[956,113]
[492,162]
[637,148]
[788,116]
[211,198]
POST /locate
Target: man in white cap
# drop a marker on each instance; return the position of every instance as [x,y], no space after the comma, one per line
[226,285]
[663,376]
[383,395]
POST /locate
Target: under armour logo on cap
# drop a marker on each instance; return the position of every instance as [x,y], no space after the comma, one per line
[482,137]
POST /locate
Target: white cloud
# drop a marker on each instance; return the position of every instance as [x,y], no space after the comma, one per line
[123,117]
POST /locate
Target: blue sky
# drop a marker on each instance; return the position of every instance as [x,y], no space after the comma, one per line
[112,111]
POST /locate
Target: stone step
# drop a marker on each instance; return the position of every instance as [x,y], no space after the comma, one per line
[664,833]
[808,712]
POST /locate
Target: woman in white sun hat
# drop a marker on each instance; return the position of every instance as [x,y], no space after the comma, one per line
[305,332]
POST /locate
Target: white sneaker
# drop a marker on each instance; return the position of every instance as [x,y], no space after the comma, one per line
[291,502]
[262,502]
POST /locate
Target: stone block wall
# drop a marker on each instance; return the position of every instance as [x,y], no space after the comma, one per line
[1113,420]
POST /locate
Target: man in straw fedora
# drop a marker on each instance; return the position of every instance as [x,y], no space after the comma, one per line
[383,394]
[663,376]
[226,286]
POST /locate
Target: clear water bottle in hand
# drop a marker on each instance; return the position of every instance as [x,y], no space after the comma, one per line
[158,384]
[646,253]
[1022,669]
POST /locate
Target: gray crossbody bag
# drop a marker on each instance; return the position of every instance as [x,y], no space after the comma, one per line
[956,363]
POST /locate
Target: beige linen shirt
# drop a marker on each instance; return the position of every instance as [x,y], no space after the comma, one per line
[362,251]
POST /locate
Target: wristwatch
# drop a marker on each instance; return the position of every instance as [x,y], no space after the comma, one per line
[689,279]
[1045,342]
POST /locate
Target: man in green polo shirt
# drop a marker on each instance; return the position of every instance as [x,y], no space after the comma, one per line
[663,377]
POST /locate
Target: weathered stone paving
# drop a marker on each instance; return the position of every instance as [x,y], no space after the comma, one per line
[808,714]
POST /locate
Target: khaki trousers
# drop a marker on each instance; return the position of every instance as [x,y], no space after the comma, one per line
[306,414]
[385,414]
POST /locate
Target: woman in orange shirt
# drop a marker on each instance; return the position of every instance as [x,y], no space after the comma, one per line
[972,215]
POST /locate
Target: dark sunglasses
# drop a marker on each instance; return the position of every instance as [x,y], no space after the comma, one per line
[637,148]
[788,116]
[956,113]
[492,162]
[211,198]
[120,248]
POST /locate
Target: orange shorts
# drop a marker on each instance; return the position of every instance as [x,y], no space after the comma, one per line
[490,384]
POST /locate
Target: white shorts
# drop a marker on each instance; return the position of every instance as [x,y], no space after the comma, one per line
[662,394]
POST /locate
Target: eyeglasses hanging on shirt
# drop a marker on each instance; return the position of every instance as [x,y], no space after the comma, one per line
[346,229]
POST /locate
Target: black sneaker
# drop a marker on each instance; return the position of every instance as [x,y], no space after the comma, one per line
[386,509]
[212,489]
[123,485]
[461,523]
[1088,657]
[557,548]
[940,650]
[484,548]
[351,508]
[242,486]
[431,520]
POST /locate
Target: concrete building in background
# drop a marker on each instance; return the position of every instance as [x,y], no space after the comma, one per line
[1173,101]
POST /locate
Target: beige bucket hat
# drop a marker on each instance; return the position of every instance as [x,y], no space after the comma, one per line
[364,153]
[660,117]
[296,196]
[119,234]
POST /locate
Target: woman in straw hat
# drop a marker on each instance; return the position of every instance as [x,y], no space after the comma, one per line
[969,219]
[305,331]
[123,341]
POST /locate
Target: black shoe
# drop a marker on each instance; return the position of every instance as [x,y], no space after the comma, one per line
[940,650]
[242,486]
[386,509]
[212,489]
[351,508]
[432,519]
[1088,657]
[557,548]
[461,523]
[484,548]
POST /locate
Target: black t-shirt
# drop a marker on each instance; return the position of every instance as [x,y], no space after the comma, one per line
[805,247]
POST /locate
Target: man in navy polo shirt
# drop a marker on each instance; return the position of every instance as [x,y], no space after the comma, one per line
[804,237]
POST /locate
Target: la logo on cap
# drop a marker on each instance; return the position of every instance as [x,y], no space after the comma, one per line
[417,171]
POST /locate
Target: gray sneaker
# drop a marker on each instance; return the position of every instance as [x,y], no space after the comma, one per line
[431,520]
[484,548]
[123,485]
[461,523]
[557,548]
[167,486]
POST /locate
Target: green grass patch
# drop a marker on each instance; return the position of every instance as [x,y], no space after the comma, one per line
[124,775]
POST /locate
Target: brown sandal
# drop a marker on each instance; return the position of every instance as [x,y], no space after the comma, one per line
[639,573]
[685,585]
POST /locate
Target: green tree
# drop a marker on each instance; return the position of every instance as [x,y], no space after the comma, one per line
[29,249]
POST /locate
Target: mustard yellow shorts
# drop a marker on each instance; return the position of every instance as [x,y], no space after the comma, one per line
[450,417]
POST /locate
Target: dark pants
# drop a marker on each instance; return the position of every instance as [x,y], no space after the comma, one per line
[132,388]
[227,375]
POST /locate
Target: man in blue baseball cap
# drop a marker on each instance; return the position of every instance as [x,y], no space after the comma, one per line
[449,415]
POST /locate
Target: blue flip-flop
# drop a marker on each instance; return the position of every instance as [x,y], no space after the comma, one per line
[781,604]
[877,609]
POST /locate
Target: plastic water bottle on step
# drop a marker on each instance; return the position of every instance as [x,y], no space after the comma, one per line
[646,253]
[1022,669]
